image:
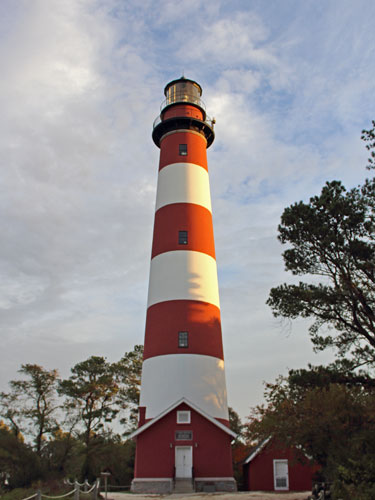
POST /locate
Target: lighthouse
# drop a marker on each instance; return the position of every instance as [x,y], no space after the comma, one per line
[183,438]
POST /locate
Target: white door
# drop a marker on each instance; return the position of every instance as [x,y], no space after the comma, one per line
[184,461]
[280,474]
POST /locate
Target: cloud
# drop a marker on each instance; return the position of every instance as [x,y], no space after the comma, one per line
[72,197]
[234,39]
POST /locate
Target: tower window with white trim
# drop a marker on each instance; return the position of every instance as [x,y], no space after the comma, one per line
[182,237]
[184,417]
[182,149]
[183,339]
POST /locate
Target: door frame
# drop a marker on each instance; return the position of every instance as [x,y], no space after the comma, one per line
[175,460]
[281,488]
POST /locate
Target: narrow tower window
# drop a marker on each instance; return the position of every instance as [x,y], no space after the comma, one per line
[182,237]
[183,339]
[182,149]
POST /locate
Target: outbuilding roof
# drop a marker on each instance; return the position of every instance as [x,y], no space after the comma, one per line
[257,450]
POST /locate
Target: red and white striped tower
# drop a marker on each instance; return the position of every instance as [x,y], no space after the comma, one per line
[183,416]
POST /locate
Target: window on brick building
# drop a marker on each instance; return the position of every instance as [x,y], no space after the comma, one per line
[183,417]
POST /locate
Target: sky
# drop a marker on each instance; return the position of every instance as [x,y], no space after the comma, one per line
[291,86]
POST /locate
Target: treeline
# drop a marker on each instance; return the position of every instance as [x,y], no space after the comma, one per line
[54,428]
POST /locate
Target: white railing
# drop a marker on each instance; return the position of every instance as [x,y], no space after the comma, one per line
[182,97]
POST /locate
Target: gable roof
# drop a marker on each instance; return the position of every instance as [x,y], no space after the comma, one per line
[257,450]
[263,444]
[172,407]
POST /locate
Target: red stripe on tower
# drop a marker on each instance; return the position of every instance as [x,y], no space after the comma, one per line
[183,353]
[200,319]
[195,150]
[176,218]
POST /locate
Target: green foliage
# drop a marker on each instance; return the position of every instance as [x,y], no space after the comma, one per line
[239,448]
[64,455]
[11,410]
[92,391]
[355,479]
[369,137]
[332,237]
[128,372]
[18,462]
[235,423]
[110,453]
[32,401]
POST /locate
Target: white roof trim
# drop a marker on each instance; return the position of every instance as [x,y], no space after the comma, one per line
[172,407]
[257,451]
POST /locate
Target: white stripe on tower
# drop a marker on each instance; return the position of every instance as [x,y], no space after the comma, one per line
[195,377]
[183,275]
[183,183]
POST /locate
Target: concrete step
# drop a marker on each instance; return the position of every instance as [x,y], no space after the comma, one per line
[183,486]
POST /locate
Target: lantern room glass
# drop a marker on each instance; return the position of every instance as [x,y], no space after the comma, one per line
[183,91]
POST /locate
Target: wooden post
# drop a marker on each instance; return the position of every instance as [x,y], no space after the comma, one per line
[105,475]
[76,490]
[96,489]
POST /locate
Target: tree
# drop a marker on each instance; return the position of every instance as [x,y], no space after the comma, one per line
[91,390]
[111,454]
[235,423]
[92,393]
[240,450]
[128,372]
[63,455]
[332,423]
[31,406]
[11,411]
[333,237]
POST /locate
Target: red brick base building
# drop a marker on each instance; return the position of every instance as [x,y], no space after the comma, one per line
[196,447]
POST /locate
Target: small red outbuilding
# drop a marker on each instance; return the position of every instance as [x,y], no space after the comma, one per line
[272,467]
